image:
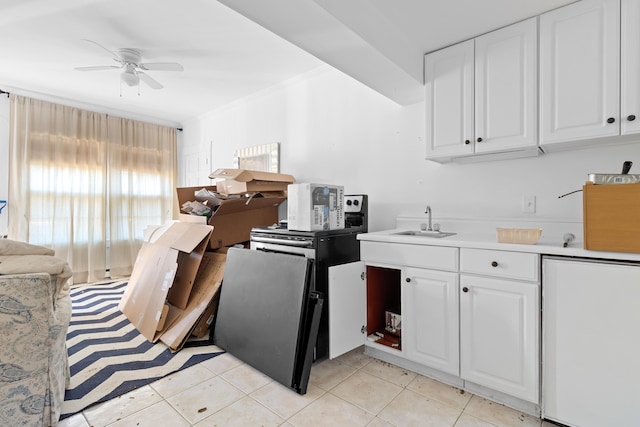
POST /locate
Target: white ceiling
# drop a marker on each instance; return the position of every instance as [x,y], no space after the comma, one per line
[225,55]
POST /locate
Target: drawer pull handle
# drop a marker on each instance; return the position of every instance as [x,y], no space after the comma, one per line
[465,289]
[494,263]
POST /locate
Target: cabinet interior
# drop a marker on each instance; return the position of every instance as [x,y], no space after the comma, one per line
[383,295]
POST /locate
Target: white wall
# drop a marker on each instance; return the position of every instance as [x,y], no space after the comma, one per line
[334,130]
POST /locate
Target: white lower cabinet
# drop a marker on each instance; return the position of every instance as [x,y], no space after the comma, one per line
[469,317]
[500,335]
[430,318]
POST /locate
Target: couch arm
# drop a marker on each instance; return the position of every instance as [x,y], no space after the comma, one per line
[26,315]
[33,356]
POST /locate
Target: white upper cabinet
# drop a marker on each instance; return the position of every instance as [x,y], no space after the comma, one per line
[580,71]
[506,88]
[565,79]
[449,101]
[630,67]
[481,95]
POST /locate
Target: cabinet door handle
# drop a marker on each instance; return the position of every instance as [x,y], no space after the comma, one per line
[494,263]
[479,139]
[631,117]
[467,142]
[408,280]
[611,120]
[465,289]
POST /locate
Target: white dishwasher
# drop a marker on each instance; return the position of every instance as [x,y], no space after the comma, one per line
[591,342]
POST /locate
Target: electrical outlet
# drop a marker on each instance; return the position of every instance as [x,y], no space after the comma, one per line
[529,204]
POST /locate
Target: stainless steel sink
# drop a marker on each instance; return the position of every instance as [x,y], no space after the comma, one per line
[420,233]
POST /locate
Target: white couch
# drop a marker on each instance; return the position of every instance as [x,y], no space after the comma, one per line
[35,310]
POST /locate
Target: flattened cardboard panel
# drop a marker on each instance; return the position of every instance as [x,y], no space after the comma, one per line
[207,317]
[184,236]
[246,175]
[260,316]
[231,186]
[188,264]
[159,270]
[144,298]
[205,289]
[163,317]
[197,219]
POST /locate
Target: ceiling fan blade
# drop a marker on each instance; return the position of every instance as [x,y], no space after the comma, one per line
[115,56]
[150,81]
[97,67]
[162,66]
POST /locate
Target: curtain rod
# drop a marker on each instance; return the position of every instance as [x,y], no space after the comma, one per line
[2,92]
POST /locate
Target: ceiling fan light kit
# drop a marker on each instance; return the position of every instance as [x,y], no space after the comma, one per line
[131,64]
[129,76]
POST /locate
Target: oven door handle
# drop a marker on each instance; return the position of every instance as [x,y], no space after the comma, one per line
[290,250]
[283,242]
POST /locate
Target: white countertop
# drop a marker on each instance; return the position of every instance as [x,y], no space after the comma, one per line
[480,238]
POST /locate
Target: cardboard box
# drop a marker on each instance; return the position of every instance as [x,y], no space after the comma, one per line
[239,181]
[203,301]
[203,325]
[611,217]
[163,277]
[234,218]
[312,207]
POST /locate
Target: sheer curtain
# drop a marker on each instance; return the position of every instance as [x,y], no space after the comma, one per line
[87,184]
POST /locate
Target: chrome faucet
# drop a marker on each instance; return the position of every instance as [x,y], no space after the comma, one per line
[428,212]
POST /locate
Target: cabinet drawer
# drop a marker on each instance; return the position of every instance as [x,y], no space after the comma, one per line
[513,265]
[433,257]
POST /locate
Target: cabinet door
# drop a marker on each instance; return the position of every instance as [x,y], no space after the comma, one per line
[499,335]
[430,318]
[449,101]
[630,67]
[580,71]
[347,307]
[506,86]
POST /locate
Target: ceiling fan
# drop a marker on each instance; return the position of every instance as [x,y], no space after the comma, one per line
[132,67]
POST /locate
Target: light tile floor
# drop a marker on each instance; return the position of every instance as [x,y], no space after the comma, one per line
[352,390]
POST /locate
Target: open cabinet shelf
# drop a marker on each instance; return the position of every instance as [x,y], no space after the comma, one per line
[383,298]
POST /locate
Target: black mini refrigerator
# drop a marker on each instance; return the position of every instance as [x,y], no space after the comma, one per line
[269,315]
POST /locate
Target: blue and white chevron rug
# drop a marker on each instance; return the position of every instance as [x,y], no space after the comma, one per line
[108,356]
